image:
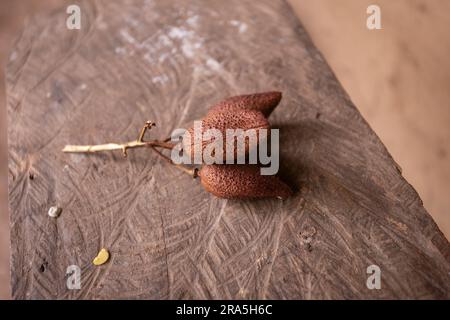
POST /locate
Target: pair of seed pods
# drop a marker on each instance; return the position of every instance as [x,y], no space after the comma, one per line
[223,180]
[239,181]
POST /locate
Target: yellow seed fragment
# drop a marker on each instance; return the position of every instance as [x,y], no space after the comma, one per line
[101,258]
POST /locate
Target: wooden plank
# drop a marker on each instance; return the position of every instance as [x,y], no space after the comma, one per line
[168,61]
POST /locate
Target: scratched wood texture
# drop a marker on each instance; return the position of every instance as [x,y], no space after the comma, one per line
[167,61]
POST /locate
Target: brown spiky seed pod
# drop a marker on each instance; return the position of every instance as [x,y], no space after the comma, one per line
[242,181]
[222,120]
[264,102]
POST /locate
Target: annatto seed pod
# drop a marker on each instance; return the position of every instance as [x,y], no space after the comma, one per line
[242,181]
[222,120]
[264,102]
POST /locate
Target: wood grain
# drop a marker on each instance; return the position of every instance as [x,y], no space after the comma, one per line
[168,238]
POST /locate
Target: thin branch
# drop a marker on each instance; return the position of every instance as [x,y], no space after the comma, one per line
[192,172]
[139,143]
[116,146]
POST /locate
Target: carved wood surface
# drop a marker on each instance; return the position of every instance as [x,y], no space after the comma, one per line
[168,61]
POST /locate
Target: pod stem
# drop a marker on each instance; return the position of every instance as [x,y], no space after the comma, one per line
[139,143]
[192,172]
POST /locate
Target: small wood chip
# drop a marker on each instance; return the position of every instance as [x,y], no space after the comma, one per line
[101,258]
[54,212]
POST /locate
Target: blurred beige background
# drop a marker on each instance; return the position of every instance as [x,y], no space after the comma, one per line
[399,77]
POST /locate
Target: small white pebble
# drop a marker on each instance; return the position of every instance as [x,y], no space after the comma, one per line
[213,64]
[54,212]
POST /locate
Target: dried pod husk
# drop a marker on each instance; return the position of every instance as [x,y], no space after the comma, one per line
[222,120]
[241,182]
[264,102]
